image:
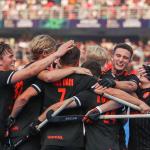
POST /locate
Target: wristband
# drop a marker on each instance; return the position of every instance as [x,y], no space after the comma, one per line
[99,109]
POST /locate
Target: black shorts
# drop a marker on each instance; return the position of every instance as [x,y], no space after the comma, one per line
[53,147]
[103,146]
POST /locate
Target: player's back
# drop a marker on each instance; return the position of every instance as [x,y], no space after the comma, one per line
[30,111]
[100,134]
[64,88]
[64,134]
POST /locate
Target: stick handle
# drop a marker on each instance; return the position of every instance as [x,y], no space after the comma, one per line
[122,101]
[124,116]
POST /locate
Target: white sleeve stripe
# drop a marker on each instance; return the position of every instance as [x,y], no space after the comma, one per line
[39,90]
[9,78]
[79,103]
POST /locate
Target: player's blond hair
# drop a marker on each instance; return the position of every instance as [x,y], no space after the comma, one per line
[99,54]
[41,43]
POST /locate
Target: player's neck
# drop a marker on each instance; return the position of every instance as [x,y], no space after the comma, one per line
[68,66]
[117,72]
[2,68]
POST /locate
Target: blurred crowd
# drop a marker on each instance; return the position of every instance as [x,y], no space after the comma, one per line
[141,50]
[74,9]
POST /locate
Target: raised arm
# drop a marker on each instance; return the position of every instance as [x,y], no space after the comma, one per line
[40,65]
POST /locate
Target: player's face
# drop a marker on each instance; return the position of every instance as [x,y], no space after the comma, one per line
[121,59]
[8,61]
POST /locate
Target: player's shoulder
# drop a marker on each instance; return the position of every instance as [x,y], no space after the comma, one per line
[6,76]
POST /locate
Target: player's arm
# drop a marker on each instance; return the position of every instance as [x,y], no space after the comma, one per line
[57,74]
[22,100]
[128,86]
[108,106]
[83,99]
[94,113]
[40,65]
[57,105]
[125,96]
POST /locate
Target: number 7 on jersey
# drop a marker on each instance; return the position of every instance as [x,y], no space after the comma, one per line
[63,93]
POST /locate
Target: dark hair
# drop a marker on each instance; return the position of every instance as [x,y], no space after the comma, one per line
[4,48]
[94,66]
[124,46]
[71,57]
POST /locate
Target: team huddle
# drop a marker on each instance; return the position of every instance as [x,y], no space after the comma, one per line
[31,94]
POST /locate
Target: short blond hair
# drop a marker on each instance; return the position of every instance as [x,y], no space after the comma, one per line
[42,43]
[99,54]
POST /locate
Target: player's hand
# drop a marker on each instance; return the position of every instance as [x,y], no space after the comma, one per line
[147,70]
[144,71]
[92,115]
[33,128]
[80,70]
[106,82]
[10,122]
[64,48]
[144,108]
[49,114]
[98,89]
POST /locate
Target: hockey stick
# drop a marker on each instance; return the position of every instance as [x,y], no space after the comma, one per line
[65,104]
[121,101]
[132,116]
[41,125]
[76,118]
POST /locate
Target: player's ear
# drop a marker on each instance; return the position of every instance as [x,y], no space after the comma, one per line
[45,54]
